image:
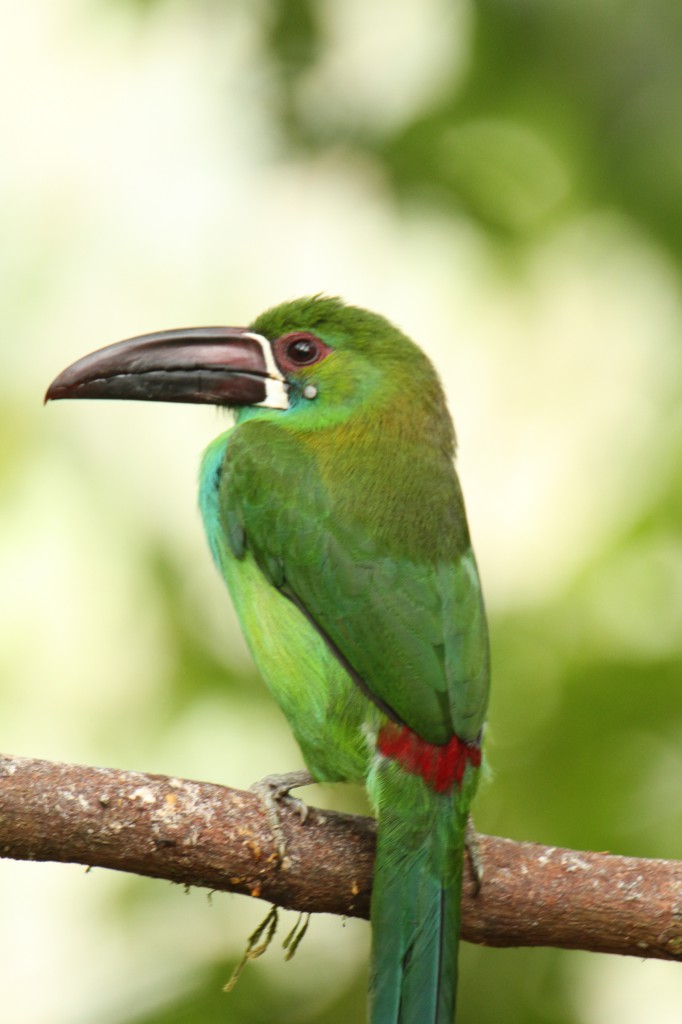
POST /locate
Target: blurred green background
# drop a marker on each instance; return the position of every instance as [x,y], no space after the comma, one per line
[503,180]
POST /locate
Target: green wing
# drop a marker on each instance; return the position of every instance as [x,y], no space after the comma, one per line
[411,632]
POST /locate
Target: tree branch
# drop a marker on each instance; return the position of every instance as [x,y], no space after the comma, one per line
[200,834]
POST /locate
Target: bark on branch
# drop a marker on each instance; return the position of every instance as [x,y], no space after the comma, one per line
[200,834]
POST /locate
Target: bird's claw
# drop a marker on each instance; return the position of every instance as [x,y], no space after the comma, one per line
[274,790]
[473,848]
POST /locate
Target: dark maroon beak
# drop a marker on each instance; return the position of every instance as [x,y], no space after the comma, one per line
[214,365]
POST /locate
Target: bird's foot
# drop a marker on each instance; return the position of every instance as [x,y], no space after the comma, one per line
[473,848]
[274,790]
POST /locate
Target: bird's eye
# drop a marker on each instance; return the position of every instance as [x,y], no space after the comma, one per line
[298,349]
[302,350]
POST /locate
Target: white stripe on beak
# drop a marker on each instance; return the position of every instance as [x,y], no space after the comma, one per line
[276,388]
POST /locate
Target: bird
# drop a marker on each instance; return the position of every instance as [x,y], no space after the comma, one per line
[334,512]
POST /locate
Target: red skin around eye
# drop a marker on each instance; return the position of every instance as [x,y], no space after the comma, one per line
[283,344]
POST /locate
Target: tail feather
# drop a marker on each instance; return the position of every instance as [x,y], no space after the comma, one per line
[429,980]
[415,930]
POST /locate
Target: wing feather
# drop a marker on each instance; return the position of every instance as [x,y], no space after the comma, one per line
[412,630]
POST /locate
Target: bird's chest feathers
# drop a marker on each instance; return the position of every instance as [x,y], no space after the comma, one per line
[309,684]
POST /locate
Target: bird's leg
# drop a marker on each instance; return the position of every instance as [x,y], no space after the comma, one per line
[473,848]
[274,790]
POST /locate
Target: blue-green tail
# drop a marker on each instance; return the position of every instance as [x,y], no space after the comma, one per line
[416,902]
[415,935]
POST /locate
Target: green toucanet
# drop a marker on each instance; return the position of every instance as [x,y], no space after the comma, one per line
[335,515]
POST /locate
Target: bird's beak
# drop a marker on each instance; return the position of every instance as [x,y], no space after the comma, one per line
[215,365]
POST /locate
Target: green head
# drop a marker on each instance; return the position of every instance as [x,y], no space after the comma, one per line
[315,360]
[338,359]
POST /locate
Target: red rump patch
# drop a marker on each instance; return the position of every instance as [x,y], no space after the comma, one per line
[440,766]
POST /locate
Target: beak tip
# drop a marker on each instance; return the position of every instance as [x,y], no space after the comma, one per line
[53,392]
